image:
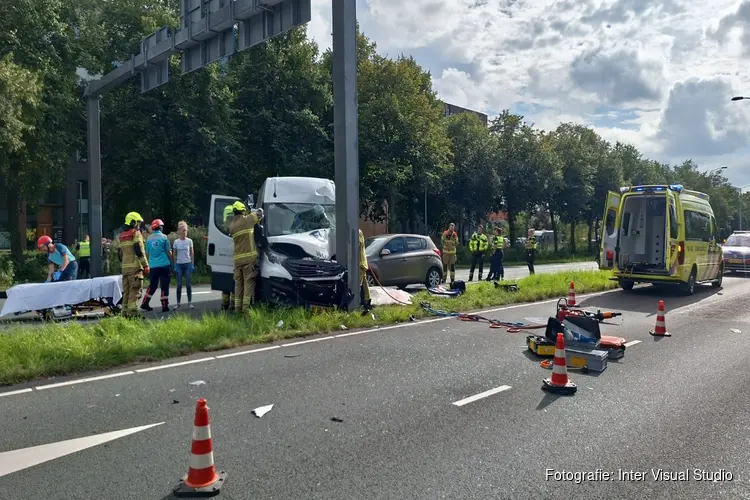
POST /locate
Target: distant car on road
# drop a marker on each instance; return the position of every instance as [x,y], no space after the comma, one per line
[402,260]
[736,252]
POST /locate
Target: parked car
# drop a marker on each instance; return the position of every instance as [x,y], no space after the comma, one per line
[402,260]
[736,252]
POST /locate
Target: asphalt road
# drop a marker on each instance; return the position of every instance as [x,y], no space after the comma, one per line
[676,404]
[205,299]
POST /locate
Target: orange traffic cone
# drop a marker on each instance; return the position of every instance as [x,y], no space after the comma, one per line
[559,382]
[572,294]
[202,479]
[660,329]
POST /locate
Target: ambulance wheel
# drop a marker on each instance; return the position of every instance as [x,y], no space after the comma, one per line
[627,285]
[689,287]
[719,279]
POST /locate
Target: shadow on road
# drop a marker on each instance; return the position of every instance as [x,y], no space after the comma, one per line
[646,299]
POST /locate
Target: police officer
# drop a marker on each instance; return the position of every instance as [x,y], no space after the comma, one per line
[83,250]
[478,244]
[497,270]
[449,240]
[530,251]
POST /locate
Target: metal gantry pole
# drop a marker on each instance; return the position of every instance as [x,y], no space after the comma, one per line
[346,146]
[95,184]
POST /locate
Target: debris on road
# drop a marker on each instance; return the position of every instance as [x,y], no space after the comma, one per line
[735,330]
[198,382]
[334,419]
[292,355]
[259,412]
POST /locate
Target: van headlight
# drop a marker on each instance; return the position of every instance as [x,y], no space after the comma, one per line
[275,257]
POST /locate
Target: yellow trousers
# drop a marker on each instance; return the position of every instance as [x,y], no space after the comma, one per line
[244,284]
[363,284]
[131,287]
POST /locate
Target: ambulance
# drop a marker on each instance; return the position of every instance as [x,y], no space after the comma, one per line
[661,234]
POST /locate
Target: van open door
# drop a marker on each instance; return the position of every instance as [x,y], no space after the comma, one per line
[220,255]
[610,229]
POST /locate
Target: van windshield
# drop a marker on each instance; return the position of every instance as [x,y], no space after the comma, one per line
[737,240]
[292,218]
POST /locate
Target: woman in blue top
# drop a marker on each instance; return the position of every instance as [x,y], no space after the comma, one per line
[58,255]
[160,263]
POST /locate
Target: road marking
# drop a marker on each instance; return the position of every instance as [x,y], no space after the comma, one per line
[481,395]
[632,342]
[252,351]
[16,460]
[174,365]
[83,380]
[11,393]
[202,293]
[273,347]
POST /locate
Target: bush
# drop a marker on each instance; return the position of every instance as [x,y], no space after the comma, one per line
[32,270]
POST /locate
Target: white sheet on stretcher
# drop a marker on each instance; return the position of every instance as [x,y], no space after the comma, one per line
[37,296]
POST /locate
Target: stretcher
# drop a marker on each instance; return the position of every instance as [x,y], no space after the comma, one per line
[65,299]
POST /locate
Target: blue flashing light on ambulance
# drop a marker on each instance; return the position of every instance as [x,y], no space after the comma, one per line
[661,234]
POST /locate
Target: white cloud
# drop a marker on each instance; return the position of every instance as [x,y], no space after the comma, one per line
[655,73]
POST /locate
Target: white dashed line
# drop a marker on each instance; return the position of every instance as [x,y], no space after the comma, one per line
[173,365]
[632,342]
[482,395]
[292,344]
[83,380]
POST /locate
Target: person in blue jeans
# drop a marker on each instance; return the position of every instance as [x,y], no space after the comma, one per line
[160,266]
[184,262]
[58,255]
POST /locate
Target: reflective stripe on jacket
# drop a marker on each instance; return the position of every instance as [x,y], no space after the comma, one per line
[133,252]
[531,243]
[242,229]
[449,241]
[478,242]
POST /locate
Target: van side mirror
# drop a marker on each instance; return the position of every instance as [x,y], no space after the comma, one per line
[385,251]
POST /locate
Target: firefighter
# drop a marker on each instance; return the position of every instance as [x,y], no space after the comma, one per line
[497,270]
[134,263]
[242,230]
[363,267]
[530,251]
[449,240]
[478,244]
[226,297]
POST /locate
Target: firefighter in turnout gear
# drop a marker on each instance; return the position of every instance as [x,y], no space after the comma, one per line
[530,251]
[245,254]
[478,244]
[363,267]
[497,270]
[449,240]
[226,297]
[134,263]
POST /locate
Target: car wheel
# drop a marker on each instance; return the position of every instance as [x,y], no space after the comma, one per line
[627,285]
[719,279]
[371,279]
[433,278]
[690,285]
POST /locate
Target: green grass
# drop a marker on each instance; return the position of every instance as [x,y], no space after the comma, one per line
[28,353]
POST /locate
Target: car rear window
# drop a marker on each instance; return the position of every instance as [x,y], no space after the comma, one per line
[738,241]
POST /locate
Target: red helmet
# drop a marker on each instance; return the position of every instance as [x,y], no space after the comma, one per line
[157,223]
[43,241]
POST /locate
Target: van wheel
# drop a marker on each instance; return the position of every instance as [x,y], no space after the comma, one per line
[719,279]
[627,285]
[690,285]
[433,278]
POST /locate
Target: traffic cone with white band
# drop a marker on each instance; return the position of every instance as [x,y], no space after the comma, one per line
[660,329]
[572,294]
[202,479]
[559,383]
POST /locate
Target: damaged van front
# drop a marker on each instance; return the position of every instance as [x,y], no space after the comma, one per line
[296,261]
[660,234]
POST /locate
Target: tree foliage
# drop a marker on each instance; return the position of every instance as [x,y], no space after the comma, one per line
[269,111]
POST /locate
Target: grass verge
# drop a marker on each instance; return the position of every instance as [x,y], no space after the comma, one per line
[28,353]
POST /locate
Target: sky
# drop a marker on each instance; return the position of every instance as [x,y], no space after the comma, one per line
[658,74]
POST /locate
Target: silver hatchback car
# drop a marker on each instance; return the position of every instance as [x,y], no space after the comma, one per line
[403,259]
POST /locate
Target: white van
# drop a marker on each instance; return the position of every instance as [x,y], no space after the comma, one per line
[297,265]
